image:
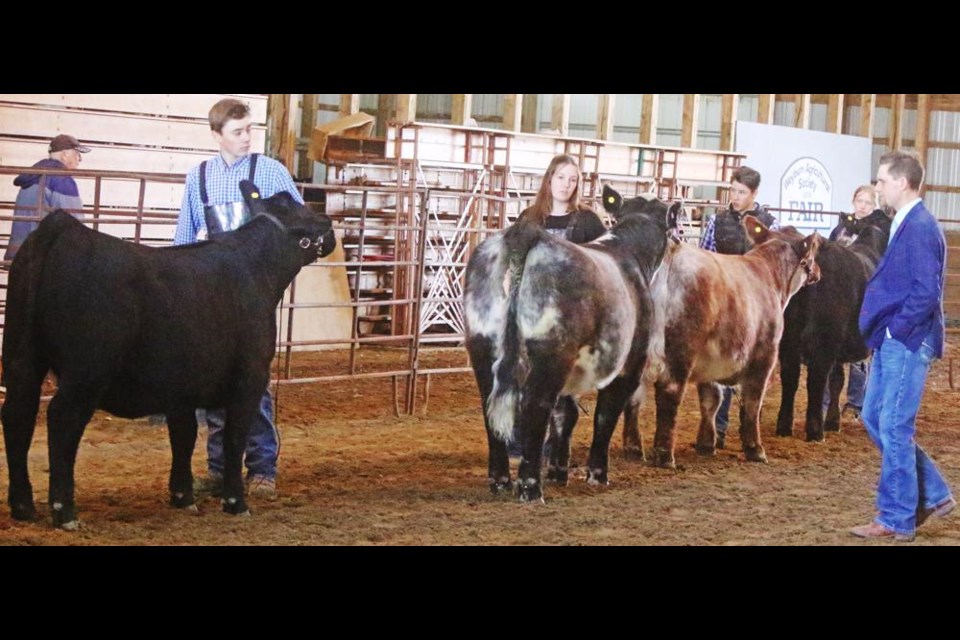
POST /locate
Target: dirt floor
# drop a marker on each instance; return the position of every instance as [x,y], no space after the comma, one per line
[353,474]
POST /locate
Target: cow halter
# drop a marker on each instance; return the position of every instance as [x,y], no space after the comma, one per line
[305,242]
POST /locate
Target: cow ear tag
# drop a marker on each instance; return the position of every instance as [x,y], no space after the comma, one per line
[254,195]
[611,199]
[757,229]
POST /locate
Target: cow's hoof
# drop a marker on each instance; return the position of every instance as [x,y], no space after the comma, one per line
[705,449]
[530,490]
[182,500]
[832,426]
[192,509]
[65,517]
[23,511]
[560,475]
[634,453]
[663,458]
[597,477]
[755,454]
[813,436]
[235,507]
[501,486]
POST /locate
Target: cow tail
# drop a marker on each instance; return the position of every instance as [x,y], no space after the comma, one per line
[502,405]
[22,287]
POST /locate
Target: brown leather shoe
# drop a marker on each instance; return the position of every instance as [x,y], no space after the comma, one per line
[938,511]
[874,530]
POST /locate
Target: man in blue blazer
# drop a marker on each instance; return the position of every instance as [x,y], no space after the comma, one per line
[902,321]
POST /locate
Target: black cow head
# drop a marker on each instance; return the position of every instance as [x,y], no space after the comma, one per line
[854,226]
[666,214]
[314,230]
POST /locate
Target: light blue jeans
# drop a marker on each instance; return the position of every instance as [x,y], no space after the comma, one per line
[263,441]
[723,413]
[856,385]
[908,477]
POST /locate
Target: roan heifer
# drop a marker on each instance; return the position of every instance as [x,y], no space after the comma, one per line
[547,318]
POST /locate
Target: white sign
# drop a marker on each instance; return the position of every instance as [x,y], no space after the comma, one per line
[806,185]
[839,165]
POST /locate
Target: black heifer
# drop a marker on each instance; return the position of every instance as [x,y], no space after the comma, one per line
[138,331]
[820,325]
[547,318]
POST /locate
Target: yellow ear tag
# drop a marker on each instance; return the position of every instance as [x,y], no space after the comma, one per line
[757,229]
[611,199]
[254,195]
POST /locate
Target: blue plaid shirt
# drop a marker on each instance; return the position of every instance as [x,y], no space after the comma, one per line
[223,185]
[709,242]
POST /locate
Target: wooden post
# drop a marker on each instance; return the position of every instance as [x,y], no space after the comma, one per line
[560,113]
[867,103]
[648,118]
[461,107]
[922,138]
[349,104]
[406,107]
[512,107]
[307,123]
[605,103]
[385,104]
[835,113]
[801,114]
[530,116]
[728,120]
[897,108]
[691,113]
[765,108]
[282,110]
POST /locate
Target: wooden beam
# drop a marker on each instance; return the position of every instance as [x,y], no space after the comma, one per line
[896,120]
[691,114]
[765,108]
[944,101]
[940,189]
[349,104]
[530,113]
[943,145]
[835,113]
[512,108]
[461,106]
[867,103]
[406,107]
[648,118]
[801,112]
[560,113]
[885,142]
[922,136]
[605,102]
[730,103]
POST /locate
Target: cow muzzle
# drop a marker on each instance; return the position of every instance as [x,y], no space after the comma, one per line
[325,243]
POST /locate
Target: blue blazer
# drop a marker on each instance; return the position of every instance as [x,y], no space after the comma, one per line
[905,293]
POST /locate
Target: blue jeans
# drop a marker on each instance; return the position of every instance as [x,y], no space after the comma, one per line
[856,385]
[908,477]
[263,441]
[723,413]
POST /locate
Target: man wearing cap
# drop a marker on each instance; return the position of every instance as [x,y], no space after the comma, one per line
[212,204]
[59,192]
